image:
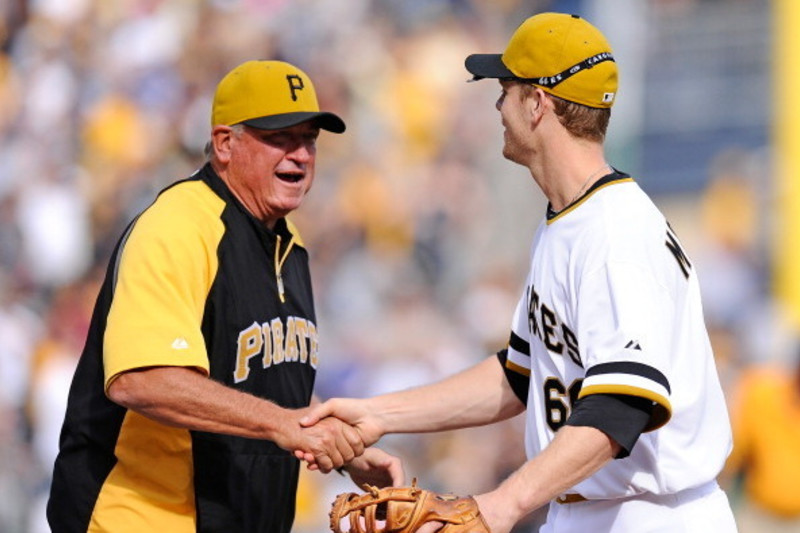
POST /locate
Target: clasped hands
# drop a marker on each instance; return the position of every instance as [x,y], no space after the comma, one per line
[339,434]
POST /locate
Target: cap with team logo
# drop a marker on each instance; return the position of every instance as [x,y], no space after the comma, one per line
[269,95]
[563,54]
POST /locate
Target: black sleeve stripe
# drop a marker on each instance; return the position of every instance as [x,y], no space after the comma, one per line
[623,418]
[518,344]
[519,382]
[632,368]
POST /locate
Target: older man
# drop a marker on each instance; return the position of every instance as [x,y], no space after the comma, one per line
[203,347]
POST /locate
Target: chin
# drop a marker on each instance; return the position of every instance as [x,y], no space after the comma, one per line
[290,205]
[510,155]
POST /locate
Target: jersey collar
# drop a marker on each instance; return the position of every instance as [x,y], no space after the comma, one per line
[609,179]
[283,227]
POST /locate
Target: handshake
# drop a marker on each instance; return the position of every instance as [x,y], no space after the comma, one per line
[337,435]
[341,432]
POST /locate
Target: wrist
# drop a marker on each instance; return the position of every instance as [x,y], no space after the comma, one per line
[496,511]
[384,416]
[281,426]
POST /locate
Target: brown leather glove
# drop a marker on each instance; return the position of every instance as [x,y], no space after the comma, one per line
[404,510]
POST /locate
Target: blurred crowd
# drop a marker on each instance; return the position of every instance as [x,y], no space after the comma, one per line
[418,230]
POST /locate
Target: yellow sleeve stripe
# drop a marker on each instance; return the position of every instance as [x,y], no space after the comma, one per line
[662,411]
[517,368]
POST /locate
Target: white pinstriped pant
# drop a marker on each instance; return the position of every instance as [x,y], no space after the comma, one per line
[701,509]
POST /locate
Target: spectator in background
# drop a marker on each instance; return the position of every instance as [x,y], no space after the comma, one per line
[54,360]
[765,415]
[20,327]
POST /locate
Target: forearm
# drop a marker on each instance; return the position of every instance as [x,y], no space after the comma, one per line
[574,455]
[181,397]
[477,396]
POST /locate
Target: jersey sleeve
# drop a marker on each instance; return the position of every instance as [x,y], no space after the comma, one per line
[621,417]
[165,267]
[516,357]
[519,382]
[624,322]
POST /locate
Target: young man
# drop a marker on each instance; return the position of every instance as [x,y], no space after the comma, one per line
[203,347]
[627,427]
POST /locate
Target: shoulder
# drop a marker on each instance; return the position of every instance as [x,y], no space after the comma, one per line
[186,206]
[185,218]
[191,198]
[625,207]
[626,220]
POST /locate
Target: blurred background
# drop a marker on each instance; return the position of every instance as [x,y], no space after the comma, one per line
[418,229]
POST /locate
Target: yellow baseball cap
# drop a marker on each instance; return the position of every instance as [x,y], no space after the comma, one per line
[269,95]
[563,54]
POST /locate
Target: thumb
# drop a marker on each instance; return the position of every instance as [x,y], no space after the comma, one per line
[315,414]
[397,474]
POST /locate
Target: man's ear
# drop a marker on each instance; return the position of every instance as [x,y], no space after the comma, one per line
[536,101]
[221,137]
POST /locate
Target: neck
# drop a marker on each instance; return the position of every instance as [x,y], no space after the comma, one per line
[565,176]
[249,202]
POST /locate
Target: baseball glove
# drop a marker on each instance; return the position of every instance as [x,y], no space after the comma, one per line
[404,510]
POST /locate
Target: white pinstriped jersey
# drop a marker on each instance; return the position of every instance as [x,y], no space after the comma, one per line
[612,305]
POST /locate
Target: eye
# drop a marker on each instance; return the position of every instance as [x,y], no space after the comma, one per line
[276,138]
[271,138]
[502,98]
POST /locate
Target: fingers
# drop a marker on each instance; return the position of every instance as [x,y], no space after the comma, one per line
[331,451]
[324,462]
[387,466]
[396,472]
[376,467]
[311,463]
[354,440]
[331,444]
[356,413]
[303,456]
[348,443]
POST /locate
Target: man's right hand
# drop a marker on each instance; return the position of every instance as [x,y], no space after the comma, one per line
[352,411]
[331,442]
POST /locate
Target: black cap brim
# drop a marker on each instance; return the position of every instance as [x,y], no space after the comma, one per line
[323,119]
[487,66]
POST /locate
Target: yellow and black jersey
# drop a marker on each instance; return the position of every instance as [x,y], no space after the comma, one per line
[195,281]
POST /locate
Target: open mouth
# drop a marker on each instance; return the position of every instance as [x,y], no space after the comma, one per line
[290,177]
